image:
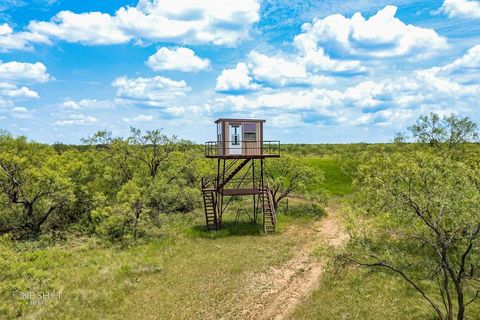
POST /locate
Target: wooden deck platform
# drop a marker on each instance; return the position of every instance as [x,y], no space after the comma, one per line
[239,156]
[240,192]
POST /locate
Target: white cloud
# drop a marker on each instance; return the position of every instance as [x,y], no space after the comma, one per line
[330,107]
[5,29]
[463,70]
[237,79]
[275,69]
[318,61]
[459,77]
[287,120]
[20,110]
[11,92]
[76,119]
[381,36]
[388,102]
[282,100]
[270,71]
[461,8]
[471,60]
[15,92]
[85,104]
[280,71]
[178,111]
[386,117]
[219,22]
[180,59]
[9,40]
[90,28]
[139,118]
[153,91]
[20,71]
[20,113]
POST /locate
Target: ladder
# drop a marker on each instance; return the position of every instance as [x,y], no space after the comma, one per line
[210,206]
[269,217]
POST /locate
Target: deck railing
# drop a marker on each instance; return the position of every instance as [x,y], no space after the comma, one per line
[244,148]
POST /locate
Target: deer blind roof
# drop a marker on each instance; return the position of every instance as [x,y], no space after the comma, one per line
[238,120]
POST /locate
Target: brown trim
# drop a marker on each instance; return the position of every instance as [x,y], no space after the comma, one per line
[261,138]
[224,132]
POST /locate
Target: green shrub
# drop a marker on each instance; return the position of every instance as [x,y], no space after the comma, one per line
[305,210]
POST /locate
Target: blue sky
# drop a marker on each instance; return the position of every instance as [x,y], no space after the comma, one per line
[317,71]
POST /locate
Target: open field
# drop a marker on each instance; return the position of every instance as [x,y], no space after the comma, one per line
[336,182]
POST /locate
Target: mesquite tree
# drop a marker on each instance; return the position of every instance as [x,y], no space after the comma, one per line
[288,175]
[154,173]
[420,217]
[32,186]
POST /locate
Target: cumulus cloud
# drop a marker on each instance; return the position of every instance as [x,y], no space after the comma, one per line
[11,41]
[381,36]
[387,102]
[279,71]
[271,71]
[464,69]
[70,104]
[9,95]
[20,113]
[20,71]
[236,79]
[179,59]
[387,117]
[91,28]
[461,8]
[76,119]
[152,91]
[12,91]
[219,22]
[139,118]
[318,61]
[333,46]
[287,120]
[275,69]
[469,61]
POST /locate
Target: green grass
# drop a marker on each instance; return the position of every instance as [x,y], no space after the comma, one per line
[356,294]
[184,272]
[336,182]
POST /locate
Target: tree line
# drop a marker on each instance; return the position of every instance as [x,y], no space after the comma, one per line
[113,187]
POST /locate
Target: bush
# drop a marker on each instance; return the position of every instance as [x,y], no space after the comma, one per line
[305,210]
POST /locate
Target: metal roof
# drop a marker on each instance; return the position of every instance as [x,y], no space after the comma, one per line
[238,120]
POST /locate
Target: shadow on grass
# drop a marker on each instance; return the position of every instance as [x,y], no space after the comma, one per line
[229,228]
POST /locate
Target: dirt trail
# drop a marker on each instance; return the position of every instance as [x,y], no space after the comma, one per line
[285,286]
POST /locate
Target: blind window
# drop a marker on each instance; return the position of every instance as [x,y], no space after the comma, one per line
[250,132]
